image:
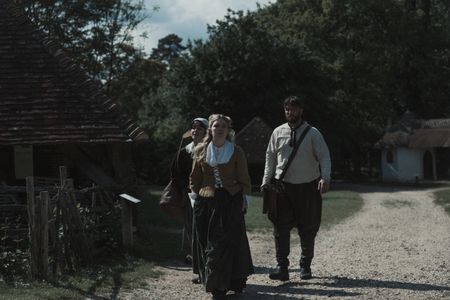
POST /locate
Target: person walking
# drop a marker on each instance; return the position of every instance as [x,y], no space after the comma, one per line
[181,169]
[306,178]
[219,183]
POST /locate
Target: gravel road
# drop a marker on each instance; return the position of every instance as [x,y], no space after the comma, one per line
[396,247]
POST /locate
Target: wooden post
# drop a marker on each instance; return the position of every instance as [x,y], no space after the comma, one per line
[62,175]
[32,226]
[57,244]
[125,174]
[127,224]
[78,235]
[38,230]
[43,233]
[127,203]
[64,217]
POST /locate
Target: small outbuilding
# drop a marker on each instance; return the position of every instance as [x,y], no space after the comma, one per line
[416,149]
[253,138]
[52,114]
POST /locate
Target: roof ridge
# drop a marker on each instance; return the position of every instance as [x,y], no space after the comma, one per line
[74,72]
[249,124]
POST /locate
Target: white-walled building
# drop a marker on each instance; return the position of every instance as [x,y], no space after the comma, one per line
[415,149]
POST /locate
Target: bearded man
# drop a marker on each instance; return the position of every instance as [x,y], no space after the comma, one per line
[299,200]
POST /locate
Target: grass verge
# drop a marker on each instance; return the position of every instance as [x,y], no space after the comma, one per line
[96,282]
[337,206]
[442,198]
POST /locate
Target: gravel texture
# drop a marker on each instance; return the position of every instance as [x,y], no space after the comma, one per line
[396,247]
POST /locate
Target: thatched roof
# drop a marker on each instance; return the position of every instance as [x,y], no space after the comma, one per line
[253,138]
[416,133]
[429,138]
[45,98]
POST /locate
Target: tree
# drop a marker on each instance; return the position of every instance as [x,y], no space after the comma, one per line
[241,66]
[358,63]
[169,48]
[141,78]
[96,34]
[382,57]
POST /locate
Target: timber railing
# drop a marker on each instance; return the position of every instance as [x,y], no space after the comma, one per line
[64,228]
[67,226]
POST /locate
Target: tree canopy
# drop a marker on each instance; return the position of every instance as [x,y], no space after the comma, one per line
[357,63]
[96,34]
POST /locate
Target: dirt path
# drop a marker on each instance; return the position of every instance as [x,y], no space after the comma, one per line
[396,247]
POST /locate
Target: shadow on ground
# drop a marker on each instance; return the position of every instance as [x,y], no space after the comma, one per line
[344,282]
[291,289]
[332,287]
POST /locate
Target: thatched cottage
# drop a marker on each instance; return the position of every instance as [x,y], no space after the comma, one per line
[416,149]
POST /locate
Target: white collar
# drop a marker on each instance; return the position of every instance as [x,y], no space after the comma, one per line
[190,147]
[219,155]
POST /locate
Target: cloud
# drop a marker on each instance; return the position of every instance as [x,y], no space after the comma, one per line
[188,19]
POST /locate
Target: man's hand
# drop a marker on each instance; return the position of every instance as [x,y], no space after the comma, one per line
[264,187]
[323,186]
[245,204]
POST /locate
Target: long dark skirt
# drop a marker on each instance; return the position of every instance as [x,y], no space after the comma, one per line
[221,253]
[186,243]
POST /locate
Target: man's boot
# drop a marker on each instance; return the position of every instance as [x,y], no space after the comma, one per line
[282,247]
[281,273]
[305,269]
[305,273]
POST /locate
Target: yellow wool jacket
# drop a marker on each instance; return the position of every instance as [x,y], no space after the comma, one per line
[234,175]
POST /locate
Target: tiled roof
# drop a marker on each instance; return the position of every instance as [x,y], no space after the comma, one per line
[45,98]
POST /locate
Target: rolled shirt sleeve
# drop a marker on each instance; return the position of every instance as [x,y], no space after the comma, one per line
[322,155]
[271,160]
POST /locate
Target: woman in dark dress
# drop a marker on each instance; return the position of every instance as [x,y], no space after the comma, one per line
[219,183]
[181,169]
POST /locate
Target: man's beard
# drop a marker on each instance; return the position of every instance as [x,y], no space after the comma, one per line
[293,119]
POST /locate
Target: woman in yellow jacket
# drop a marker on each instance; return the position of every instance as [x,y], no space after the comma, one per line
[219,182]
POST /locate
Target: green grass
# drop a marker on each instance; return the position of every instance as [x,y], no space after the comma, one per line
[254,218]
[337,205]
[159,235]
[98,281]
[442,198]
[149,214]
[159,238]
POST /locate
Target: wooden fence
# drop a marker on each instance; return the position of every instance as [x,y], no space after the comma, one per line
[58,238]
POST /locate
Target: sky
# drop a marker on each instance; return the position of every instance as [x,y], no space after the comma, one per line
[186,18]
